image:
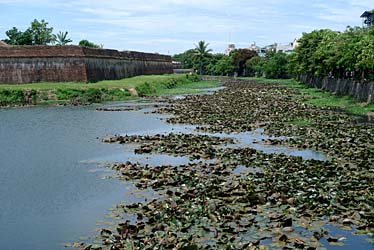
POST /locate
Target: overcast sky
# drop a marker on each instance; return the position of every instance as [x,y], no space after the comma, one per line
[173,26]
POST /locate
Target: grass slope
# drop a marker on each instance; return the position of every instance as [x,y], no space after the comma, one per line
[114,90]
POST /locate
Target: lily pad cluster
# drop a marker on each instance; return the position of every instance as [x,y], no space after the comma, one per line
[281,202]
[196,146]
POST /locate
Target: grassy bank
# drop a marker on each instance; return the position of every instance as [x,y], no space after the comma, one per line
[320,97]
[116,90]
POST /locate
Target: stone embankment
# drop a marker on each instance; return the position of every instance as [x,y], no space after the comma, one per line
[362,91]
[29,64]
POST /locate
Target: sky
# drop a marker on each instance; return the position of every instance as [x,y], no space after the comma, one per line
[173,26]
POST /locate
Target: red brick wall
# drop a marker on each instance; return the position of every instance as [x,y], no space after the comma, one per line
[41,51]
[28,64]
[29,70]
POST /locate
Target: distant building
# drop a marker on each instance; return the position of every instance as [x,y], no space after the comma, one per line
[288,48]
[368,18]
[230,48]
[254,47]
[275,47]
[262,51]
[268,48]
[295,43]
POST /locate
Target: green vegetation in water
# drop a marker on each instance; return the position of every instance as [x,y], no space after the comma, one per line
[113,90]
[274,200]
[301,122]
[320,97]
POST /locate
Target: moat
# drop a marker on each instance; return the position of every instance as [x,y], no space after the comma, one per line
[57,189]
[52,188]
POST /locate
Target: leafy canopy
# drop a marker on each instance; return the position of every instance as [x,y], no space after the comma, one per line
[86,43]
[39,33]
[62,38]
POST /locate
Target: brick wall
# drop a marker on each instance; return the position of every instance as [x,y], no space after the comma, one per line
[28,64]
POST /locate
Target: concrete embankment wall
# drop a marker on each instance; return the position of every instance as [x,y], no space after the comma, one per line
[362,91]
[28,64]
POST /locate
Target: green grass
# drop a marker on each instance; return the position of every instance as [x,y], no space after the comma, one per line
[289,82]
[117,90]
[123,83]
[320,97]
[190,88]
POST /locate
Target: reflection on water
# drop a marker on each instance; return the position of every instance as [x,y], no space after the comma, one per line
[348,239]
[253,139]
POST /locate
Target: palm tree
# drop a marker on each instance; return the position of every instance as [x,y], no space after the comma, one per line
[61,38]
[201,53]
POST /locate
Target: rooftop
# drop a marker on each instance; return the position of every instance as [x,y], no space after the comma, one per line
[368,13]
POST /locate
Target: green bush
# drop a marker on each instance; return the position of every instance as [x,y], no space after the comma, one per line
[275,67]
[9,97]
[193,77]
[145,89]
[90,95]
[116,94]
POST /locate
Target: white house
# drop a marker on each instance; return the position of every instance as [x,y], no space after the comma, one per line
[230,48]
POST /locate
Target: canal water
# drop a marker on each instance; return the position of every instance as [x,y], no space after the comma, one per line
[52,191]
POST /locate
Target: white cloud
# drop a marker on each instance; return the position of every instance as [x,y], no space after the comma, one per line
[176,24]
[369,4]
[347,13]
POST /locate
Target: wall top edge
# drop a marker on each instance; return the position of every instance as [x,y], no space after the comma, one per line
[76,51]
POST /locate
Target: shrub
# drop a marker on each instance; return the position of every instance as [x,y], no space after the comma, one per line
[193,77]
[145,89]
[9,97]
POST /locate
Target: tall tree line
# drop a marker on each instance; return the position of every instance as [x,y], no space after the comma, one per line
[40,33]
[348,54]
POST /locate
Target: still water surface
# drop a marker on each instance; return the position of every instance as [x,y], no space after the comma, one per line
[49,193]
[51,189]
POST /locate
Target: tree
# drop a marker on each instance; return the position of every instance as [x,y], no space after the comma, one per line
[201,54]
[17,37]
[41,33]
[240,57]
[308,44]
[365,59]
[37,34]
[212,63]
[62,39]
[224,66]
[275,66]
[186,58]
[255,66]
[335,54]
[86,43]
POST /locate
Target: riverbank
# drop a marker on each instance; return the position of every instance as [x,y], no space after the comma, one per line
[235,195]
[314,96]
[71,93]
[322,98]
